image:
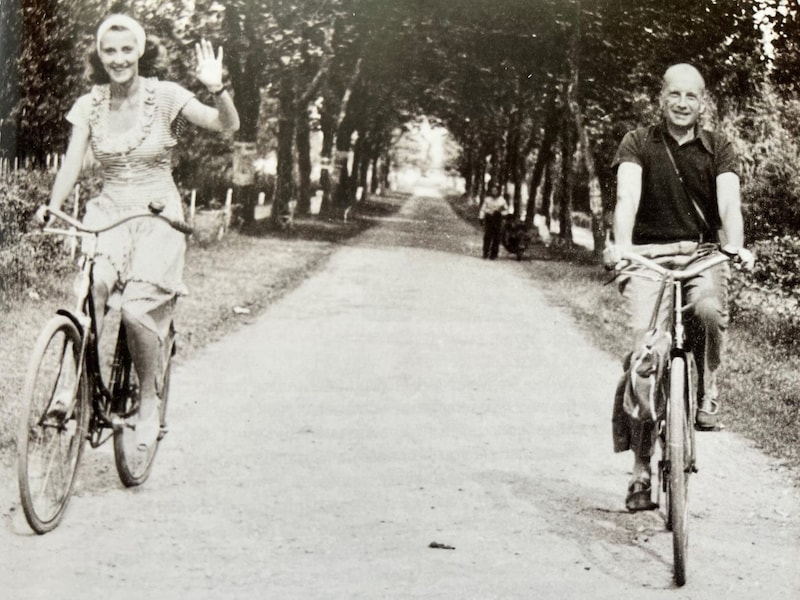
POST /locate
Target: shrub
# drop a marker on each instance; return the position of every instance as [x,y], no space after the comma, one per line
[768,298]
[770,156]
[27,261]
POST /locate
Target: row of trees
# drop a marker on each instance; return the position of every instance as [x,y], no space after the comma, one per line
[534,91]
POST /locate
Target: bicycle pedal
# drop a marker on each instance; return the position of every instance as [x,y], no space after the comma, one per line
[118,422]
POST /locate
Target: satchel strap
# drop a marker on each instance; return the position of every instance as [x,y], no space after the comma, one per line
[698,211]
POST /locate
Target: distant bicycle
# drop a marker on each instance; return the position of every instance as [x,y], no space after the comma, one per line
[674,420]
[516,237]
[66,401]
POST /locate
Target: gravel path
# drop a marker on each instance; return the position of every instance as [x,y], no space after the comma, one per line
[410,393]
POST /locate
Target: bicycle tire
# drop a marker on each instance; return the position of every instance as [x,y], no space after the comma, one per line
[49,447]
[134,465]
[677,481]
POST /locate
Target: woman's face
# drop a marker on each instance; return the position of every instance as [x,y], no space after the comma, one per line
[119,55]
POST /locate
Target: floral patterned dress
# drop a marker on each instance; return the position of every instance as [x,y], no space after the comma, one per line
[142,261]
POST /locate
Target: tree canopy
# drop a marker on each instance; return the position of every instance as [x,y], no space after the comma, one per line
[518,83]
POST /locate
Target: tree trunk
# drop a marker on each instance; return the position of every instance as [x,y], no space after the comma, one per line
[543,159]
[303,135]
[303,142]
[284,185]
[512,158]
[328,126]
[480,175]
[567,184]
[573,103]
[547,193]
[386,168]
[363,171]
[375,182]
[244,68]
[344,131]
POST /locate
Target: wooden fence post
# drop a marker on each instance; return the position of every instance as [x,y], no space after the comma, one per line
[192,205]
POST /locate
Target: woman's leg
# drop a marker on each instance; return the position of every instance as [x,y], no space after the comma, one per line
[147,323]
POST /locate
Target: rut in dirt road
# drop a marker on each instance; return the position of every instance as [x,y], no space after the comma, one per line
[409,394]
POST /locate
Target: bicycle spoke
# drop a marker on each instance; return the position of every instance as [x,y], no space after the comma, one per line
[53,426]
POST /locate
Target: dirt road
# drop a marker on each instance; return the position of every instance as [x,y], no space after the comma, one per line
[410,393]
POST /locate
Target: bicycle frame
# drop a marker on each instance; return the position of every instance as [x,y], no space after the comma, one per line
[58,417]
[673,278]
[674,425]
[84,316]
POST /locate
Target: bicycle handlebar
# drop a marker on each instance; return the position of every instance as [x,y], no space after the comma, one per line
[153,214]
[680,274]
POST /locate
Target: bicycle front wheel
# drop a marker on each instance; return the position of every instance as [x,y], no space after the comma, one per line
[677,452]
[134,464]
[53,424]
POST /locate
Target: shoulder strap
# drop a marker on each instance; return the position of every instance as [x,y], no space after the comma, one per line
[698,211]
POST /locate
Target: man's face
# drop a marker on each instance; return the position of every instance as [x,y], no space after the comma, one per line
[682,99]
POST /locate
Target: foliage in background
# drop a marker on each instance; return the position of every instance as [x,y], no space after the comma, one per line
[512,81]
[26,259]
[770,155]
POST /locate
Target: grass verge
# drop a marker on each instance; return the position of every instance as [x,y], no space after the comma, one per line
[760,378]
[241,272]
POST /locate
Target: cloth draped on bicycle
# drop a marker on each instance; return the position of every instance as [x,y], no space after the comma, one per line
[639,399]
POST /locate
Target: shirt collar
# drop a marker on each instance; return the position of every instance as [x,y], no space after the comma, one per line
[658,132]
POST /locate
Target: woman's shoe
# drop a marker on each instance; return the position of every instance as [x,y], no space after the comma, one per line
[148,428]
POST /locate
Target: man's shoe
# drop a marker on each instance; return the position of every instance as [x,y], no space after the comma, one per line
[708,417]
[638,498]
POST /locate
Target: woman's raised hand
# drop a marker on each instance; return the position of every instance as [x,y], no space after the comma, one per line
[209,67]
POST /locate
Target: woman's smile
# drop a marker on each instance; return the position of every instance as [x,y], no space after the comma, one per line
[119,55]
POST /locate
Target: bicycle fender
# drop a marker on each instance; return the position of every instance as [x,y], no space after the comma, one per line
[681,352]
[72,317]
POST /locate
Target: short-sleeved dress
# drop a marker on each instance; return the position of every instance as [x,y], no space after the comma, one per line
[145,256]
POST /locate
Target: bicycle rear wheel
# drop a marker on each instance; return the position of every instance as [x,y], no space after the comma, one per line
[50,437]
[133,464]
[678,451]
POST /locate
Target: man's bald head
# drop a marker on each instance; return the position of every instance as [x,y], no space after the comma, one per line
[685,73]
[683,97]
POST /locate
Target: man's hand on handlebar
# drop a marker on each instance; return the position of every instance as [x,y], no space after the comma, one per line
[746,258]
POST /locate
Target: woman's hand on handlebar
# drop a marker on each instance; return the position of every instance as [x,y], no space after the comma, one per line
[612,255]
[42,215]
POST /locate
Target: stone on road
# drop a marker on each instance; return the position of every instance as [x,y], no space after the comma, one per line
[412,422]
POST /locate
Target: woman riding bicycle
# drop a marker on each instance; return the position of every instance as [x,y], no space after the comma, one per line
[132,121]
[677,185]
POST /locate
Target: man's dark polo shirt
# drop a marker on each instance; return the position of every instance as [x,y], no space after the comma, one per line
[665,213]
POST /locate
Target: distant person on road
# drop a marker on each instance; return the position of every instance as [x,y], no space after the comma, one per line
[677,189]
[132,121]
[493,208]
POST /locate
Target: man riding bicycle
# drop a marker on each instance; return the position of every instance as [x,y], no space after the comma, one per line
[677,189]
